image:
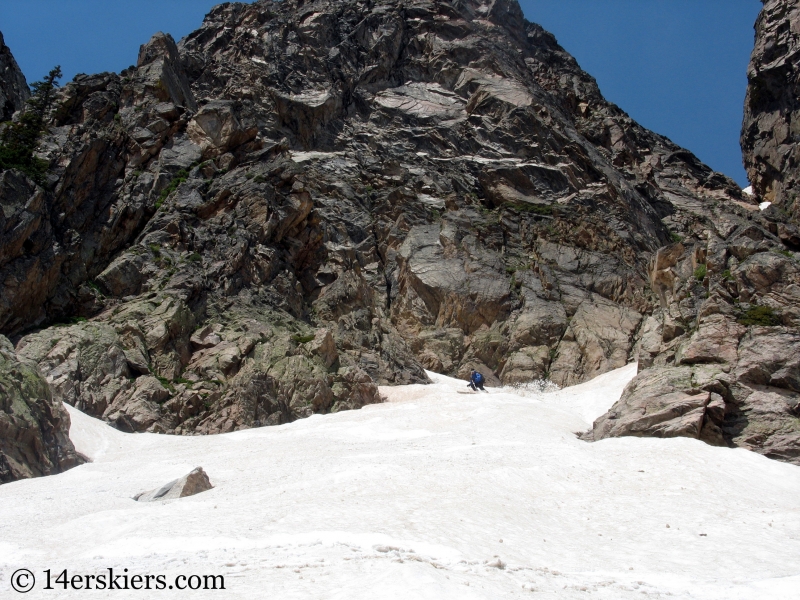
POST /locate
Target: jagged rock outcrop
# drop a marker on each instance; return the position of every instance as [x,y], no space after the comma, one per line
[34,428]
[719,357]
[13,87]
[302,200]
[771,128]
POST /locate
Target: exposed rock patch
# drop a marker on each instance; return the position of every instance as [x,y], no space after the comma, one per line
[34,428]
[721,353]
[193,483]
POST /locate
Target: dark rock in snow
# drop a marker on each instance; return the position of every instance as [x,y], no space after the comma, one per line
[188,485]
[34,428]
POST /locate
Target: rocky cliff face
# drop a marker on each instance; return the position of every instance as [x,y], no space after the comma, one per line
[34,428]
[771,128]
[303,200]
[732,377]
[13,88]
[719,353]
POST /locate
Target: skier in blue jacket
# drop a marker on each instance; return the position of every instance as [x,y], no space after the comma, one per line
[476,381]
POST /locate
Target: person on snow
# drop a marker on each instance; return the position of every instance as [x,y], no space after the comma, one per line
[476,381]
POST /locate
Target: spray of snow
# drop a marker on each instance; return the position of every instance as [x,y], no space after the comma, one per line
[436,494]
[533,389]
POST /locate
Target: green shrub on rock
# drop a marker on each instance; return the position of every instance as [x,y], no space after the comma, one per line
[700,272]
[759,315]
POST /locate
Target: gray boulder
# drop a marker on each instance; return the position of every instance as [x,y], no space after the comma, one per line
[666,402]
[193,483]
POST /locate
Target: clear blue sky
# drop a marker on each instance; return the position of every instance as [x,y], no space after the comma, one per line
[676,66]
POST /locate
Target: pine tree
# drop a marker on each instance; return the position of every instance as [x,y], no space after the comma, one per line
[19,140]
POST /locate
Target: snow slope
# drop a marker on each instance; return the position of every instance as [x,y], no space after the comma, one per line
[424,497]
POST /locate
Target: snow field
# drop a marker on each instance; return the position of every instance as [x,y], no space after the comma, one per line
[435,494]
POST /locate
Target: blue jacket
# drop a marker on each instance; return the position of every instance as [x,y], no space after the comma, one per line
[477,378]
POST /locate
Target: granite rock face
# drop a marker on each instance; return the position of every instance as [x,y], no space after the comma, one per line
[771,128]
[13,87]
[718,359]
[34,428]
[300,201]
